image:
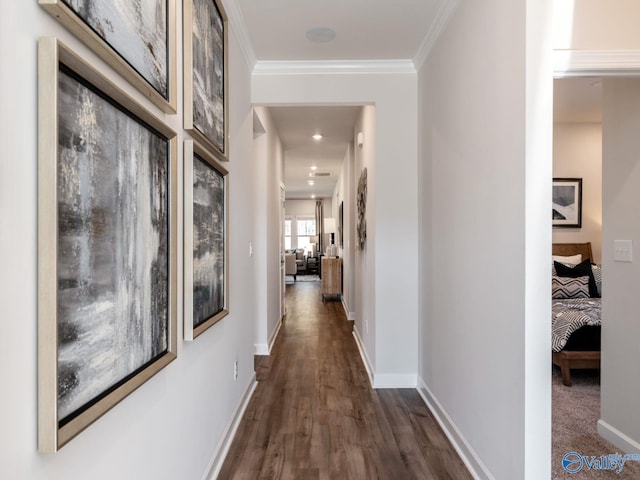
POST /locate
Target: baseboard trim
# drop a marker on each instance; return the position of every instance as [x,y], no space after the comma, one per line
[383,380]
[264,348]
[215,465]
[619,439]
[394,380]
[363,355]
[474,464]
[351,316]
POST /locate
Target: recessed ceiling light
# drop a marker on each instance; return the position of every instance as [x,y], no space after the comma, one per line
[321,34]
[313,196]
[313,167]
[317,136]
[311,182]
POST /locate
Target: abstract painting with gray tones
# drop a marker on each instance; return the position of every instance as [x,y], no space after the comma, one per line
[208,72]
[113,225]
[208,241]
[135,29]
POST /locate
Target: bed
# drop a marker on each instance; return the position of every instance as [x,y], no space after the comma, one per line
[576,323]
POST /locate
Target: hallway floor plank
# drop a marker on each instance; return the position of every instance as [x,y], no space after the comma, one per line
[314,414]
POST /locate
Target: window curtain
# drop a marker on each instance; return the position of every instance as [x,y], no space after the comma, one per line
[320,225]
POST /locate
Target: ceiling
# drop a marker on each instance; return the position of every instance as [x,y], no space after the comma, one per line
[577,100]
[364,29]
[295,126]
[338,30]
[283,30]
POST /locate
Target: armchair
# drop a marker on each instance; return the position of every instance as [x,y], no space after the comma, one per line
[290,267]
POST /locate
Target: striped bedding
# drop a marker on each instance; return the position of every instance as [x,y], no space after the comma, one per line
[568,315]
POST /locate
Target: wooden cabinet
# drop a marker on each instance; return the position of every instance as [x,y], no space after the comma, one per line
[331,276]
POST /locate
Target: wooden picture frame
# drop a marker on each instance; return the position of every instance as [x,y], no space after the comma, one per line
[206,258]
[107,245]
[146,57]
[567,202]
[206,88]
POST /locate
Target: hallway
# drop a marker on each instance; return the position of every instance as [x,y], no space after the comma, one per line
[314,414]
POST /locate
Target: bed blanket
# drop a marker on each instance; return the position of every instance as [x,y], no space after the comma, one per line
[568,315]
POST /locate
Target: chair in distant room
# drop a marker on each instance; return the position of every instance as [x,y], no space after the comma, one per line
[301,261]
[290,267]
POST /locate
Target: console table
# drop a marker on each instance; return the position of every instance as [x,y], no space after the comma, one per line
[331,268]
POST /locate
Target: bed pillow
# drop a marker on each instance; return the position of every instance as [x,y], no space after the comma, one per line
[568,260]
[597,275]
[581,270]
[570,287]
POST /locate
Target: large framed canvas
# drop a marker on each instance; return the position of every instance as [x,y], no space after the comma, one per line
[567,202]
[206,262]
[106,245]
[136,37]
[206,92]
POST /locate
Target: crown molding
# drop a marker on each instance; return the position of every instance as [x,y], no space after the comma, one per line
[332,67]
[445,12]
[239,29]
[609,63]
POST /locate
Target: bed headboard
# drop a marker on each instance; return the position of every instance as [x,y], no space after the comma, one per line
[567,249]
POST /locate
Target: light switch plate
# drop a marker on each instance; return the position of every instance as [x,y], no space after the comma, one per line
[623,251]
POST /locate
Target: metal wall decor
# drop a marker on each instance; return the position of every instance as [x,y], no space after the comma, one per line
[361,201]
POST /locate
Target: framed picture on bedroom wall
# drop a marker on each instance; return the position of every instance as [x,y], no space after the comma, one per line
[206,262]
[107,245]
[137,38]
[206,87]
[567,202]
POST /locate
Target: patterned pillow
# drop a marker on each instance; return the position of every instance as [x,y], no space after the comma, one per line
[569,287]
[597,275]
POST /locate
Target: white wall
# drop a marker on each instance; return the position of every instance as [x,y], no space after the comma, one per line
[620,388]
[344,192]
[485,133]
[577,153]
[393,200]
[268,160]
[172,426]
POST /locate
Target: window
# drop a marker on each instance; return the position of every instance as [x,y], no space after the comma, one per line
[306,227]
[287,234]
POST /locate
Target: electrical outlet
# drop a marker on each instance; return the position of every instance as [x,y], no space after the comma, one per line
[235,370]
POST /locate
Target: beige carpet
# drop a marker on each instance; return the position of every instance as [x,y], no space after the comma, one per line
[576,411]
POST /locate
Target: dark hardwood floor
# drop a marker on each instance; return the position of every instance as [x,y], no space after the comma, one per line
[314,414]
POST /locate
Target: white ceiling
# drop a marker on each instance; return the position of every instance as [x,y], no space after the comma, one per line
[364,30]
[577,100]
[295,126]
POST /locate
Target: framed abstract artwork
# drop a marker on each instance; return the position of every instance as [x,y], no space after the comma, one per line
[206,92]
[206,261]
[567,202]
[107,245]
[137,38]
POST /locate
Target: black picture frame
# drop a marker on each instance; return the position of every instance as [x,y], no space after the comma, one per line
[567,203]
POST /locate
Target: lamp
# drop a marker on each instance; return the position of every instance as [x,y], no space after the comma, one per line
[330,228]
[314,240]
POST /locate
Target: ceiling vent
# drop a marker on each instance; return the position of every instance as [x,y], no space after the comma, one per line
[319,174]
